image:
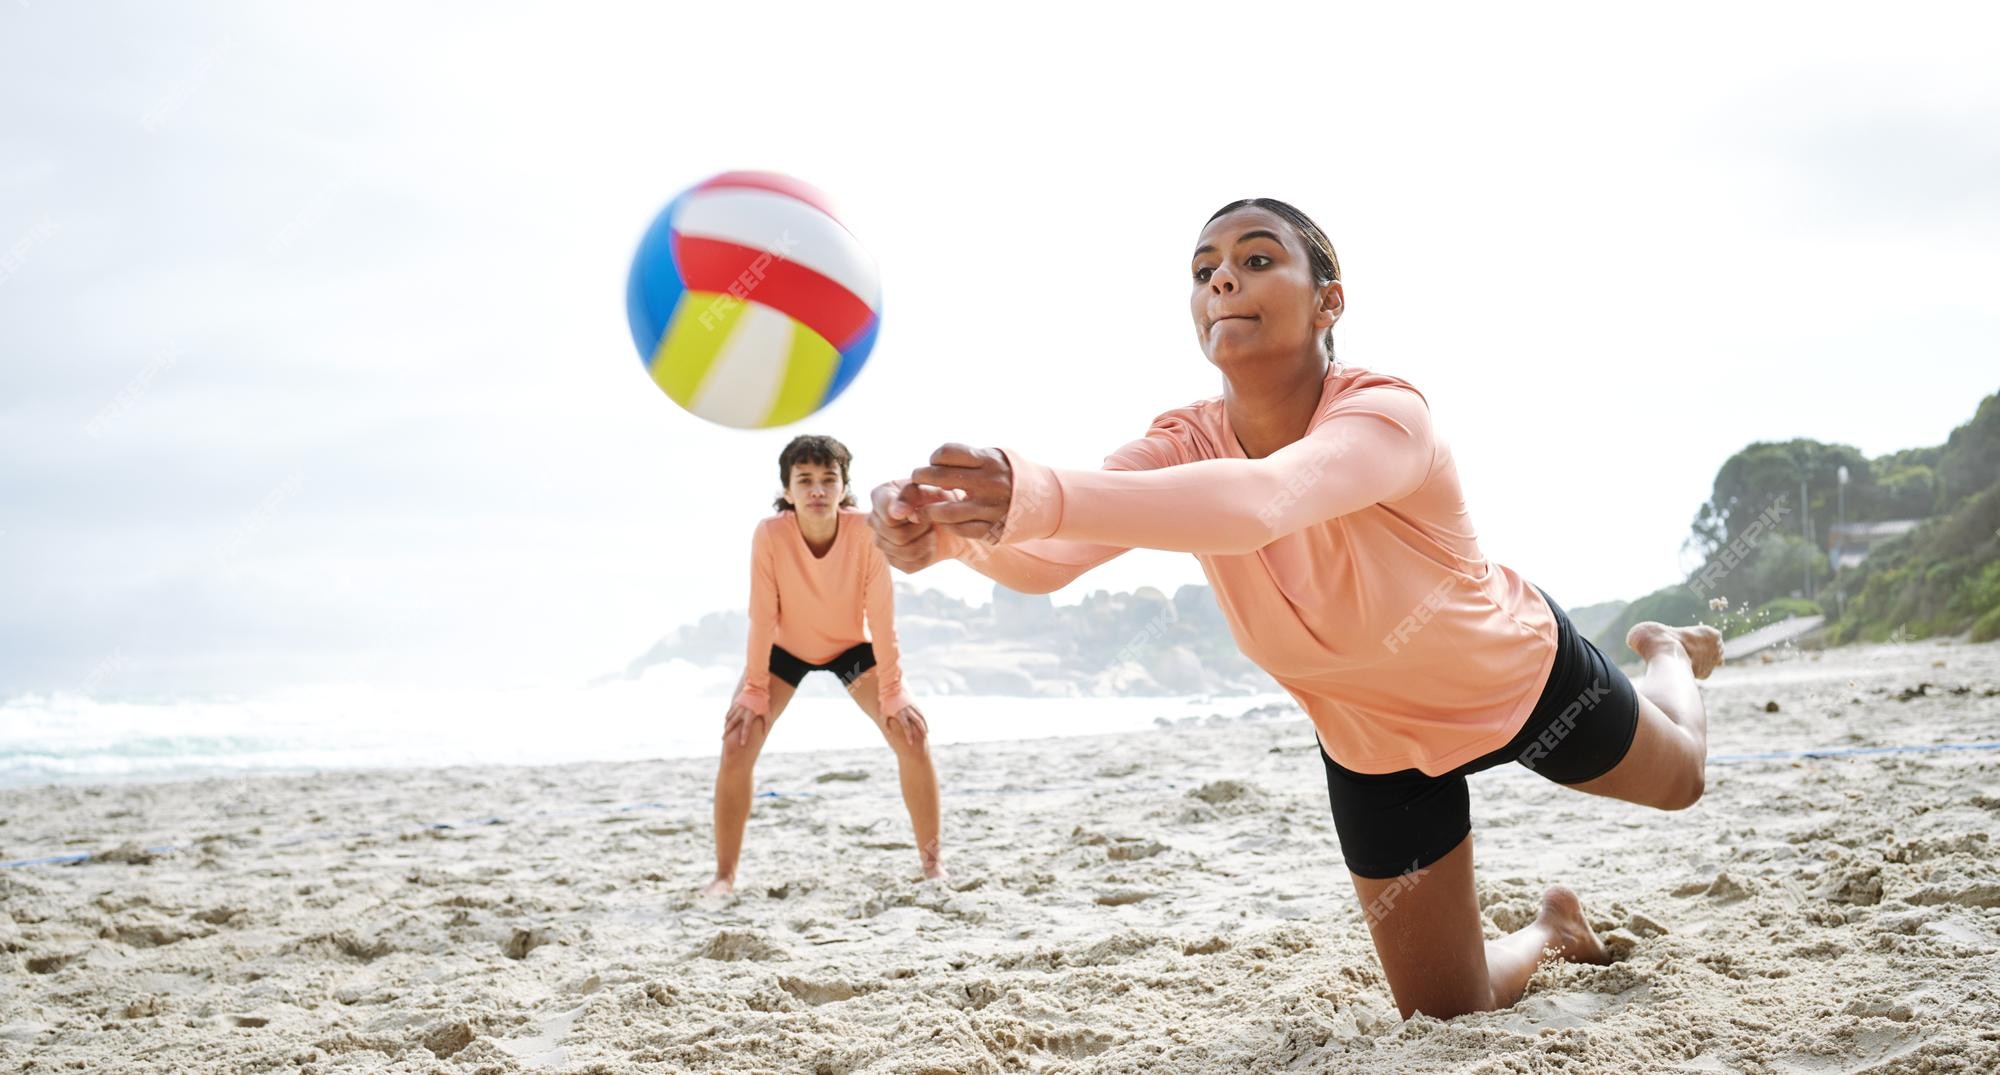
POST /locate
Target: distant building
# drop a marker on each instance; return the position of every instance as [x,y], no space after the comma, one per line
[1850,543]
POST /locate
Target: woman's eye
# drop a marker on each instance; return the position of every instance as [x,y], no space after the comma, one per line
[1201,275]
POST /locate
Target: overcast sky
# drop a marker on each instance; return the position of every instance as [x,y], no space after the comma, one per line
[314,365]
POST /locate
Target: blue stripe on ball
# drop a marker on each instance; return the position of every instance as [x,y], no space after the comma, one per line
[852,358]
[654,288]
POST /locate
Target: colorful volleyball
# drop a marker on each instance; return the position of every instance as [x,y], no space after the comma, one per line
[751,304]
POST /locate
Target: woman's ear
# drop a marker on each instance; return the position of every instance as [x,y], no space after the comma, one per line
[1332,303]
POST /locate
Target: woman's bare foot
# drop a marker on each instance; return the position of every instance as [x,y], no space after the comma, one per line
[721,886]
[932,856]
[1701,645]
[1562,916]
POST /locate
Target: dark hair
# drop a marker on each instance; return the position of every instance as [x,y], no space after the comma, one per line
[1325,263]
[812,449]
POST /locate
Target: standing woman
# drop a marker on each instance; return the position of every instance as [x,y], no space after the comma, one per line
[1327,515]
[815,573]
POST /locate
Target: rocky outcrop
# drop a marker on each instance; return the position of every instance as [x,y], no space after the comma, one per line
[1111,644]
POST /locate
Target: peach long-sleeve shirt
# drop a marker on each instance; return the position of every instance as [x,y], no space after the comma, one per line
[1345,563]
[814,606]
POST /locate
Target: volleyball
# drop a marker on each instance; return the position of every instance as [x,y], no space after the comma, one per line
[751,304]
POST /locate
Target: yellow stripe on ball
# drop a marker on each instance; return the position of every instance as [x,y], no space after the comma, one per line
[700,325]
[808,372]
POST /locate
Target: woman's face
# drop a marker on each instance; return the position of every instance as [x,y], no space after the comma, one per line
[1254,294]
[814,489]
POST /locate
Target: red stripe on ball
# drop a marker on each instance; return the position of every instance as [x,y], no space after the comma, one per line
[788,287]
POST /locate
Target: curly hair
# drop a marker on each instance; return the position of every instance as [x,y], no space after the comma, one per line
[811,449]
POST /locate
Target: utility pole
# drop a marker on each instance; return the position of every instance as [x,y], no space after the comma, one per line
[1839,591]
[1805,527]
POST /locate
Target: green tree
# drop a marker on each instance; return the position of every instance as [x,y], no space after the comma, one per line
[1674,604]
[1934,580]
[1904,487]
[1970,461]
[1762,482]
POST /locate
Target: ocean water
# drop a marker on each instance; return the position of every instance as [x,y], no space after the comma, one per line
[675,710]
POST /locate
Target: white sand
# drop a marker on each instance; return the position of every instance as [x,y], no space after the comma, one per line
[1159,902]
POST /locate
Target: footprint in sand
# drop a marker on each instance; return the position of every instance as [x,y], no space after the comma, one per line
[1132,849]
[1860,885]
[825,992]
[522,941]
[49,962]
[1218,792]
[149,934]
[446,1040]
[731,946]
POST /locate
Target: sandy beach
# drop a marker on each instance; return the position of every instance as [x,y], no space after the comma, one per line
[1167,901]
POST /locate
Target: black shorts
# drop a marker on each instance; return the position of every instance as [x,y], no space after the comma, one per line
[849,665]
[1396,823]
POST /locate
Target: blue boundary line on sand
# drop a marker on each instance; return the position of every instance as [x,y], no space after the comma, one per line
[74,858]
[1848,752]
